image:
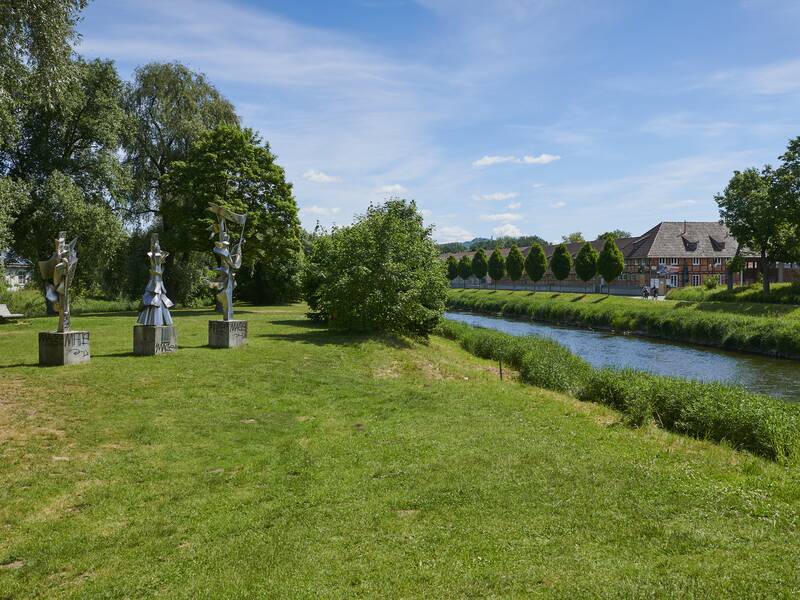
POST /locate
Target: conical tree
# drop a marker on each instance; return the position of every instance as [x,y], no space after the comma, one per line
[536,264]
[586,263]
[497,266]
[561,262]
[465,268]
[610,263]
[452,268]
[480,266]
[515,264]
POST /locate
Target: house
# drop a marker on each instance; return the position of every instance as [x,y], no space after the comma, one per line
[17,271]
[671,254]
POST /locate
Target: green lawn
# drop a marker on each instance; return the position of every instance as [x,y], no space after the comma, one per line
[316,465]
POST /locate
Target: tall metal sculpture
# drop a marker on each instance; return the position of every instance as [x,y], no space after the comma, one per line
[155,303]
[58,272]
[154,332]
[228,332]
[229,257]
[64,346]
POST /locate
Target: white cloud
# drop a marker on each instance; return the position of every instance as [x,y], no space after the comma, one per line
[493,160]
[501,217]
[320,211]
[507,230]
[542,159]
[453,233]
[683,123]
[425,212]
[558,204]
[394,188]
[772,79]
[319,177]
[498,196]
[514,205]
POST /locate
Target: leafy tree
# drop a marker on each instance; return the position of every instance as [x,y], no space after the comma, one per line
[465,268]
[615,234]
[452,267]
[497,266]
[755,210]
[171,106]
[735,265]
[610,263]
[13,197]
[536,263]
[449,247]
[561,262]
[230,167]
[480,265]
[36,38]
[515,264]
[573,238]
[382,273]
[586,263]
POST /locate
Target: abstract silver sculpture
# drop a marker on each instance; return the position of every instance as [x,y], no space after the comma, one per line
[58,272]
[230,257]
[61,347]
[227,333]
[154,332]
[155,304]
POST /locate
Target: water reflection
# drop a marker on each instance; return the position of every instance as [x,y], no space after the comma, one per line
[773,376]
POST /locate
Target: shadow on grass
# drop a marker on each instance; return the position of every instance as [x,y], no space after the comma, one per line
[304,323]
[15,365]
[324,337]
[600,299]
[578,298]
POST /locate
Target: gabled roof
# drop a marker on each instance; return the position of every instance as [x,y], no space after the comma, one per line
[685,239]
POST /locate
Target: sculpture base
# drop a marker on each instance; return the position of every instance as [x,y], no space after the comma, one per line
[227,334]
[149,340]
[68,348]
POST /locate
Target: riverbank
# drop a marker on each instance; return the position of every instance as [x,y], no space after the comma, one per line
[769,329]
[314,464]
[780,293]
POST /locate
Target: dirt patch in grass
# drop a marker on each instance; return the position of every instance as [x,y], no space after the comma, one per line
[17,564]
[390,371]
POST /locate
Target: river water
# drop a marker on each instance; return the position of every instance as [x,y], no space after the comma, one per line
[773,376]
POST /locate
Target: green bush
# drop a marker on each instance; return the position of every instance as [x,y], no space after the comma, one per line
[711,282]
[748,421]
[780,293]
[30,302]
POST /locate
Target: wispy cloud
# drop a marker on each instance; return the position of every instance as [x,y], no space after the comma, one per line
[559,204]
[507,230]
[452,233]
[514,205]
[320,211]
[319,177]
[542,159]
[771,79]
[683,123]
[497,196]
[501,217]
[394,188]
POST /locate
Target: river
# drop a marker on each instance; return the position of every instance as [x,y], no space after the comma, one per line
[772,376]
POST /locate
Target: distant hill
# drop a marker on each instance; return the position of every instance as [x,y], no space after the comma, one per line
[489,243]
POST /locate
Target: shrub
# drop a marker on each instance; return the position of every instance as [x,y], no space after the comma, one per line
[711,282]
[382,273]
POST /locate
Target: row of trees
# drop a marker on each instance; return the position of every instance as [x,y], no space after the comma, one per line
[110,161]
[761,207]
[588,263]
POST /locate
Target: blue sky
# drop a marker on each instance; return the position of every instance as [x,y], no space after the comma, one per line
[498,117]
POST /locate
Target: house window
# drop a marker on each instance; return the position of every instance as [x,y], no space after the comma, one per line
[662,261]
[696,262]
[673,261]
[717,262]
[673,281]
[695,279]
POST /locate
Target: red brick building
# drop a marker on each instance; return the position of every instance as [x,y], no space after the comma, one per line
[671,254]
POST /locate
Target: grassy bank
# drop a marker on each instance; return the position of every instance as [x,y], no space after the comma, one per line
[753,422]
[765,329]
[30,302]
[309,464]
[780,293]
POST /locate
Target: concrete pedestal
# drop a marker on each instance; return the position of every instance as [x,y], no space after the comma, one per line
[69,348]
[149,340]
[227,334]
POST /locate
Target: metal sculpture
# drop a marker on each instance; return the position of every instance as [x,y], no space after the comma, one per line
[155,304]
[58,272]
[229,257]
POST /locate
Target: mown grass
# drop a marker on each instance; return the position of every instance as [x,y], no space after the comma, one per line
[780,293]
[310,464]
[712,411]
[773,330]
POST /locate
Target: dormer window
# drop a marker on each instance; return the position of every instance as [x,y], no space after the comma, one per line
[690,245]
[718,245]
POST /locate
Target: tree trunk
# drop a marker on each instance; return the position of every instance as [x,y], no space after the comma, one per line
[730,279]
[765,271]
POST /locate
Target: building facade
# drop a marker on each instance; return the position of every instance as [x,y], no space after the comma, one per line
[671,254]
[17,272]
